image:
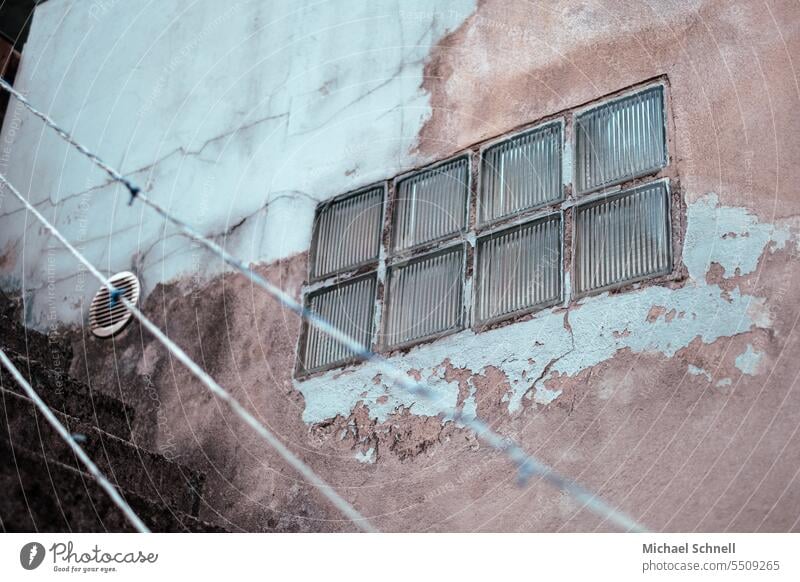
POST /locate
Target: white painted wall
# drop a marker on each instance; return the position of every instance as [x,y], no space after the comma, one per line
[224,111]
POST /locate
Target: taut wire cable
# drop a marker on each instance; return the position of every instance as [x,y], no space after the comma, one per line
[116,498]
[527,465]
[359,520]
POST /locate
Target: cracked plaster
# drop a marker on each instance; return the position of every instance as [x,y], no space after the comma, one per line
[282,113]
[558,342]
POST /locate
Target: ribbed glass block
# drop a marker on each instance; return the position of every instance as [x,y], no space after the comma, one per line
[622,238]
[425,296]
[519,268]
[350,308]
[347,232]
[521,173]
[619,140]
[431,204]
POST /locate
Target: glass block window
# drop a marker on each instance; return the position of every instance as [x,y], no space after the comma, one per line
[424,296]
[622,238]
[519,268]
[458,254]
[521,173]
[621,139]
[347,232]
[431,205]
[350,307]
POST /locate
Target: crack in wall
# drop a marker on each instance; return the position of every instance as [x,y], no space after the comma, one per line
[183,151]
[552,344]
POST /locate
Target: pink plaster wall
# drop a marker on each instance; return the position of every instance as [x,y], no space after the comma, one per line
[662,444]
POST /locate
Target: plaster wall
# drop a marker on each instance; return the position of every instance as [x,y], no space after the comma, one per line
[234,115]
[675,401]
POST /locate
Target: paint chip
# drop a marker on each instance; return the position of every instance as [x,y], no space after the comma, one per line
[748,360]
[695,371]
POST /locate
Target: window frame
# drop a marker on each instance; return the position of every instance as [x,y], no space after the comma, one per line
[479,325]
[560,121]
[315,234]
[383,344]
[597,104]
[473,231]
[599,198]
[422,248]
[301,371]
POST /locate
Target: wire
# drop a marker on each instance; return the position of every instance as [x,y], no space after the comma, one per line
[76,448]
[527,466]
[359,520]
[115,176]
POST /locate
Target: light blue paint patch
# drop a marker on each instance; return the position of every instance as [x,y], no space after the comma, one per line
[724,382]
[325,398]
[552,344]
[695,371]
[520,351]
[544,395]
[729,236]
[366,457]
[748,360]
[470,409]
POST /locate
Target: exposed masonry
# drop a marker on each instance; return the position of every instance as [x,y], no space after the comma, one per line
[562,342]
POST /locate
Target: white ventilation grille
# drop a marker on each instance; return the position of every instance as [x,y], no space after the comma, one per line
[347,233]
[108,315]
[619,140]
[431,205]
[349,307]
[622,238]
[519,268]
[521,173]
[425,297]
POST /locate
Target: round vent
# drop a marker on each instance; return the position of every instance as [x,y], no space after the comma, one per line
[107,316]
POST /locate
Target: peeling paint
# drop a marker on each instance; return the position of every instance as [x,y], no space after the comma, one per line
[695,371]
[556,343]
[544,395]
[298,101]
[729,236]
[470,408]
[367,456]
[748,360]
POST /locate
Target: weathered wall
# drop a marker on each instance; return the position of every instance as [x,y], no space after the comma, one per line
[675,401]
[234,115]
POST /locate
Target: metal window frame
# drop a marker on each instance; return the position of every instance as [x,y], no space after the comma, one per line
[301,371]
[600,103]
[605,197]
[486,147]
[459,326]
[483,324]
[423,246]
[315,235]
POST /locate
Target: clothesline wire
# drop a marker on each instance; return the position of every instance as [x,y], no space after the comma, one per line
[346,508]
[527,466]
[62,431]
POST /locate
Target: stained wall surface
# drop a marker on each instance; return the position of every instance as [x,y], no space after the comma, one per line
[675,400]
